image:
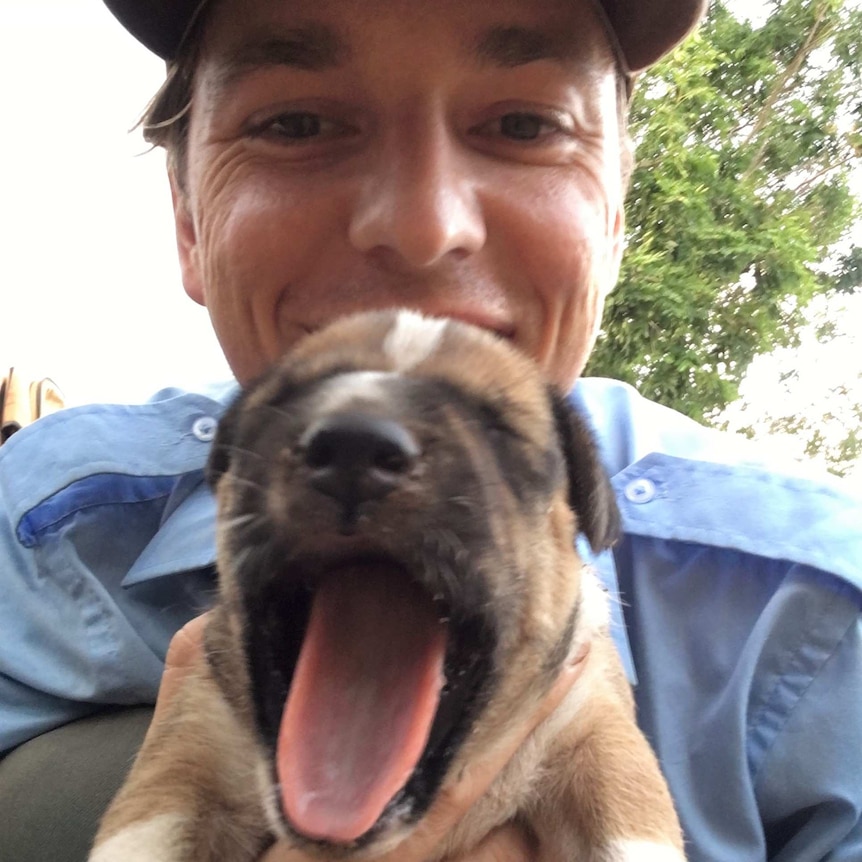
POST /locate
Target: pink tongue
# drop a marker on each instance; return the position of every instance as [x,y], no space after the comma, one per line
[361,703]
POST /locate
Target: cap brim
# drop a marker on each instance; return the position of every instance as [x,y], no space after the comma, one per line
[159,25]
[645,30]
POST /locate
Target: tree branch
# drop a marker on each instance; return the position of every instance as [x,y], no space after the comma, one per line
[803,188]
[813,40]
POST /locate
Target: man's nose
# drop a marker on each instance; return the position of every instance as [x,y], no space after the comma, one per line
[354,457]
[420,204]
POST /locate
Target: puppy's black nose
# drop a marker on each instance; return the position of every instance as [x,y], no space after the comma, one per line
[354,457]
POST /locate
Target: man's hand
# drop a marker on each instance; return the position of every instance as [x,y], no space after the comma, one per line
[185,649]
[506,844]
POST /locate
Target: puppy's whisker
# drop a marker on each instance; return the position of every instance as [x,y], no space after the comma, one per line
[239,450]
[240,520]
[275,410]
[249,483]
[466,502]
[454,543]
[240,558]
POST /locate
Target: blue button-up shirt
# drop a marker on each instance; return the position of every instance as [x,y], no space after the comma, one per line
[739,592]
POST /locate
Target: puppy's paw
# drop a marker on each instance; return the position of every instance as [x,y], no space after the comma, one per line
[158,839]
[641,851]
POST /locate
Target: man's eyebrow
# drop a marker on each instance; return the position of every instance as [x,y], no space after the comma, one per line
[313,48]
[516,46]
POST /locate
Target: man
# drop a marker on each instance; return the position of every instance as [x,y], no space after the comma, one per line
[469,159]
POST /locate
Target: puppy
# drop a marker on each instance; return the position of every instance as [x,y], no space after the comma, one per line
[398,504]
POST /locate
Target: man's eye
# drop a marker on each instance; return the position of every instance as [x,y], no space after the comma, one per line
[298,125]
[523,127]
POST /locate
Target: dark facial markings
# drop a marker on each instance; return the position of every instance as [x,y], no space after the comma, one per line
[531,472]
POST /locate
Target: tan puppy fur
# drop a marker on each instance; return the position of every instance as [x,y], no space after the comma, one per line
[495,478]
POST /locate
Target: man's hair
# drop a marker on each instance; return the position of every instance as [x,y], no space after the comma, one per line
[165,121]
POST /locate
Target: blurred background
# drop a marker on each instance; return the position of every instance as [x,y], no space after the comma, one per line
[90,293]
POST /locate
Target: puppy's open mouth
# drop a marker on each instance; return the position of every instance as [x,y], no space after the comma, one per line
[366,685]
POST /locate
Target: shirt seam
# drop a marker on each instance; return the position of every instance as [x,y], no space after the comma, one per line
[772,706]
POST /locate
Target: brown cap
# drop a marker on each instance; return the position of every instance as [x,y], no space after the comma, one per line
[644,30]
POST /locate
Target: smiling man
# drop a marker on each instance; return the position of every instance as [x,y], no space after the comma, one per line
[462,159]
[465,159]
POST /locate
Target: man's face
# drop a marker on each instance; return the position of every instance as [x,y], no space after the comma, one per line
[459,157]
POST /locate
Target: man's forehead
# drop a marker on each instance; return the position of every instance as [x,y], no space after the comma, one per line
[248,34]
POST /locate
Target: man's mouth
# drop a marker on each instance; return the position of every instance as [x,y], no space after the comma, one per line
[366,682]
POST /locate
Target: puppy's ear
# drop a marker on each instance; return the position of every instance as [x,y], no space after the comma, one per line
[219,459]
[590,493]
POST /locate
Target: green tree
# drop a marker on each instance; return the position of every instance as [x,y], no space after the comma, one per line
[746,138]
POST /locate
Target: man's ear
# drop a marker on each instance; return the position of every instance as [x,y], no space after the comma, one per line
[618,242]
[590,493]
[187,242]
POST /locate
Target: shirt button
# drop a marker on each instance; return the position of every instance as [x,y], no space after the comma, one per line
[640,491]
[204,429]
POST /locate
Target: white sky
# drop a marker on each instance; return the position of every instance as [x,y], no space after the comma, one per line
[90,293]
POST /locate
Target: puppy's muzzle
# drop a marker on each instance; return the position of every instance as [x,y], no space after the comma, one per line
[355,457]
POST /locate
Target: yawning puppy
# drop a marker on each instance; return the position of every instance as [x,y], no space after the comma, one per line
[398,504]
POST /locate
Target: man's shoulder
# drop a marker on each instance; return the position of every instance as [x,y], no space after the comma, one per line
[106,548]
[677,480]
[101,454]
[740,579]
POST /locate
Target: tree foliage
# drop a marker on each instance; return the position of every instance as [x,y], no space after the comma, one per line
[746,137]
